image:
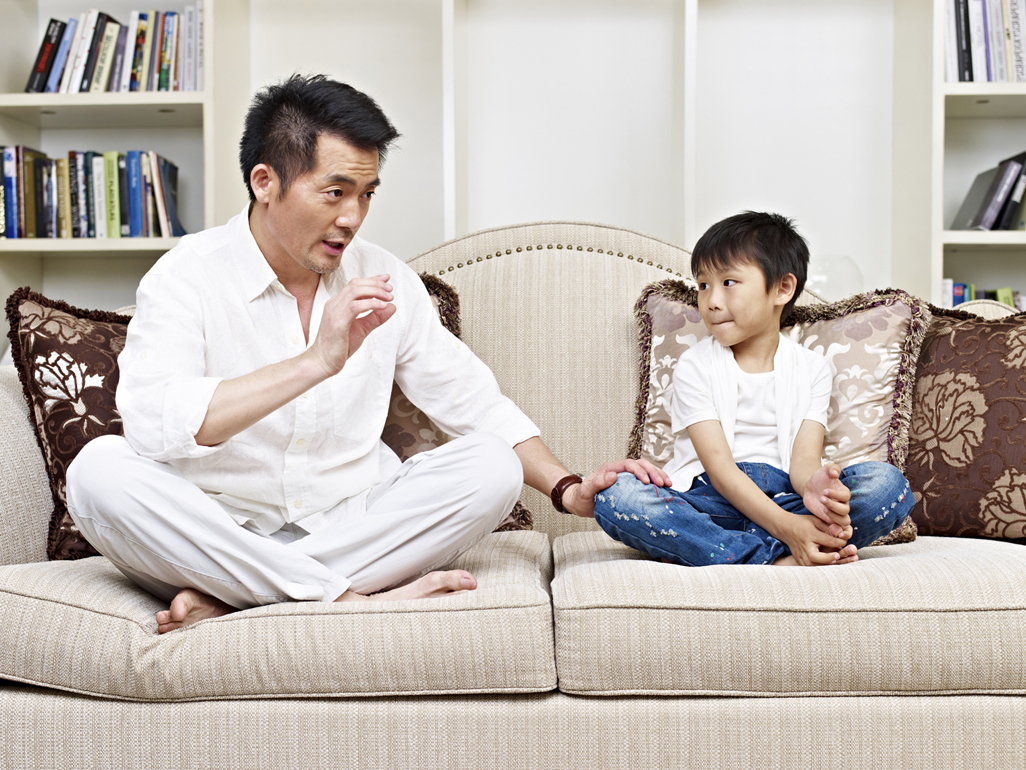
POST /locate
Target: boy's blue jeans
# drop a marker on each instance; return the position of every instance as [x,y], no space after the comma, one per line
[699,527]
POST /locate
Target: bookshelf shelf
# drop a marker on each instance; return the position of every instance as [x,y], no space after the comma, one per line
[88,247]
[983,241]
[105,110]
[985,100]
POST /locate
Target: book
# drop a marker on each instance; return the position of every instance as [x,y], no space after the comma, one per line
[111,194]
[53,83]
[3,207]
[964,47]
[995,27]
[79,183]
[947,293]
[950,44]
[959,294]
[105,57]
[987,195]
[199,44]
[1006,29]
[29,195]
[99,184]
[158,197]
[978,41]
[93,52]
[1017,28]
[1011,207]
[150,227]
[43,198]
[88,188]
[134,194]
[189,48]
[166,73]
[73,207]
[137,82]
[63,198]
[123,224]
[127,53]
[118,66]
[169,188]
[44,59]
[69,65]
[11,192]
[1005,295]
[82,52]
[156,38]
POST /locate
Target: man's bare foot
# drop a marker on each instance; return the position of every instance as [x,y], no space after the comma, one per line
[846,555]
[432,586]
[188,607]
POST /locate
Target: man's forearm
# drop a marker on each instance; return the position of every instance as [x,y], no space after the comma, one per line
[239,403]
[541,468]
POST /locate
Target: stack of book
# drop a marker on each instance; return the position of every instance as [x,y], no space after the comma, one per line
[986,41]
[995,200]
[113,194]
[954,294]
[154,51]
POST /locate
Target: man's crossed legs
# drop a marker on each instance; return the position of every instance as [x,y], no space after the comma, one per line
[170,538]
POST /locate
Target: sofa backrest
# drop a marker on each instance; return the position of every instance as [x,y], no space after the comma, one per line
[550,308]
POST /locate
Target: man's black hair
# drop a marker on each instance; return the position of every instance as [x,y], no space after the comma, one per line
[285,119]
[767,241]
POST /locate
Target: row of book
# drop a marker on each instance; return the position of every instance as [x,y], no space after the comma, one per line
[986,41]
[154,51]
[89,194]
[954,294]
[996,199]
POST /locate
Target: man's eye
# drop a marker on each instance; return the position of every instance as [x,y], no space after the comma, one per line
[335,193]
[369,194]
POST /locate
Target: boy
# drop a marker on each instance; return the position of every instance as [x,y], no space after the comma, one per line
[747,481]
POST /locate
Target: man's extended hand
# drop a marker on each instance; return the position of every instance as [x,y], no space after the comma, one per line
[580,498]
[360,308]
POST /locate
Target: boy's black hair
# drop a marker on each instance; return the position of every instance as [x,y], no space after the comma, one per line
[768,241]
[285,119]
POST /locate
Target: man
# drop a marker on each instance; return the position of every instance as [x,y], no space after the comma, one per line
[254,388]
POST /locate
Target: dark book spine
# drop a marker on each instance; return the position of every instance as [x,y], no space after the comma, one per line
[3,207]
[965,55]
[73,194]
[94,50]
[126,228]
[40,178]
[119,59]
[996,196]
[90,203]
[45,57]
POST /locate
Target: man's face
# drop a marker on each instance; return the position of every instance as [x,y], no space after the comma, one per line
[321,211]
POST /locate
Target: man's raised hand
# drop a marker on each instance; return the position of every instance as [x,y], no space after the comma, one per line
[360,308]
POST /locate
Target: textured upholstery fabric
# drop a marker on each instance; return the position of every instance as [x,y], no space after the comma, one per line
[549,308]
[44,729]
[81,626]
[934,616]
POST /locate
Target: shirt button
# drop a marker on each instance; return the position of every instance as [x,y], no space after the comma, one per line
[306,395]
[298,503]
[295,340]
[300,442]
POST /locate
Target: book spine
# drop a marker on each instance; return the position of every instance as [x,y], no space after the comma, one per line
[996,41]
[135,199]
[36,171]
[128,53]
[123,224]
[950,45]
[169,184]
[1011,207]
[167,45]
[28,198]
[48,171]
[947,293]
[63,198]
[76,43]
[105,58]
[1006,28]
[158,195]
[80,177]
[100,196]
[90,198]
[82,54]
[155,42]
[11,191]
[176,58]
[44,59]
[965,57]
[144,67]
[118,66]
[148,210]
[986,38]
[998,194]
[978,42]
[53,83]
[1016,20]
[189,38]
[199,45]
[112,198]
[73,205]
[93,51]
[3,208]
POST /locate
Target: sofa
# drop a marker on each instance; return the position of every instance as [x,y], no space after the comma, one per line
[574,652]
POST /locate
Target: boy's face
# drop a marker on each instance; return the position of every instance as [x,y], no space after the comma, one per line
[736,305]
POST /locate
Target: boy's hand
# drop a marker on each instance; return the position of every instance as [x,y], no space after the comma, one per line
[807,542]
[827,498]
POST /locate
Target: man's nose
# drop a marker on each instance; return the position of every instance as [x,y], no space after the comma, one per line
[350,215]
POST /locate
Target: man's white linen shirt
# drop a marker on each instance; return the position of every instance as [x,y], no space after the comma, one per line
[212,309]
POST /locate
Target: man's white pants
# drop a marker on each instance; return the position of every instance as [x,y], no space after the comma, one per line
[165,534]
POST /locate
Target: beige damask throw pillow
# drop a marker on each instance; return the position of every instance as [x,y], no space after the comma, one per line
[967,444]
[872,342]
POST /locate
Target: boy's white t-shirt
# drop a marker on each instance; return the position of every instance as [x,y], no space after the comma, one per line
[702,383]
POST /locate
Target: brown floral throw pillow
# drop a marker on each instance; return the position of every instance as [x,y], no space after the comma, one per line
[967,444]
[871,340]
[67,360]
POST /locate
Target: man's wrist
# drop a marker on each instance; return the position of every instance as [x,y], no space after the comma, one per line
[560,489]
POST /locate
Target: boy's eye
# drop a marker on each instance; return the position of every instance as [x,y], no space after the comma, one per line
[702,286]
[729,281]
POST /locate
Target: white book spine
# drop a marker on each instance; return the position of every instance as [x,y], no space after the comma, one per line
[99,196]
[951,45]
[996,32]
[977,41]
[189,45]
[1016,22]
[69,65]
[126,67]
[947,293]
[83,50]
[79,180]
[199,45]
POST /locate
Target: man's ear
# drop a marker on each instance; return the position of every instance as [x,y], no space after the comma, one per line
[785,289]
[264,182]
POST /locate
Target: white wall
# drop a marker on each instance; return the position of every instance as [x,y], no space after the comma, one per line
[795,116]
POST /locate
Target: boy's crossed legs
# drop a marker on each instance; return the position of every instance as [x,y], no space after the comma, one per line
[700,527]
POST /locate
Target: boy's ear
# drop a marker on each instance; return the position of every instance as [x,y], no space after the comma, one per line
[785,289]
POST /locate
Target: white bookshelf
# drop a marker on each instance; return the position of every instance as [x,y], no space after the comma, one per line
[945,134]
[183,126]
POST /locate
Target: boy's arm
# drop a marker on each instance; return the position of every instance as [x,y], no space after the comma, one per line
[818,483]
[799,533]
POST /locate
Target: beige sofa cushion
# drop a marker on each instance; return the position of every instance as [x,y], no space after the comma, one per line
[81,626]
[934,616]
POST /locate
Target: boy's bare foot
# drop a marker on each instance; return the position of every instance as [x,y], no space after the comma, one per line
[188,607]
[432,586]
[846,555]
